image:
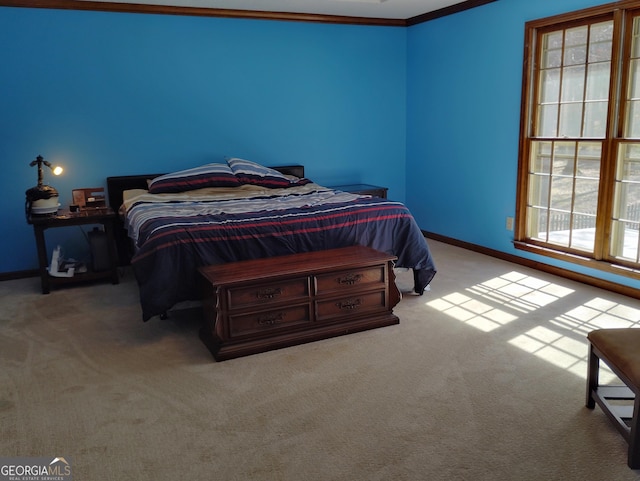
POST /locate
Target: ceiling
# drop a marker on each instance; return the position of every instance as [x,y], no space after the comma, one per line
[383,9]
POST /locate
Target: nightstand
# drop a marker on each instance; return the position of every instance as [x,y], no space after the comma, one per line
[363,189]
[104,216]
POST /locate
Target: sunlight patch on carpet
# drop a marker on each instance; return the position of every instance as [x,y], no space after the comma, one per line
[473,312]
[561,340]
[555,348]
[563,343]
[498,301]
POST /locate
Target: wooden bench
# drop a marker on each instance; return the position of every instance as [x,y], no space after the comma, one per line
[258,305]
[620,350]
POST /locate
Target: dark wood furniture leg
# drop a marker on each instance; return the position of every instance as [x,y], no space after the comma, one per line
[109,229]
[592,377]
[41,246]
[617,348]
[633,458]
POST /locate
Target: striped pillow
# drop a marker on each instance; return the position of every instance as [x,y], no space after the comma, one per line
[248,172]
[210,175]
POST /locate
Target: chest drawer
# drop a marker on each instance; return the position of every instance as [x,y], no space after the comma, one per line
[265,294]
[369,277]
[268,321]
[350,305]
[262,304]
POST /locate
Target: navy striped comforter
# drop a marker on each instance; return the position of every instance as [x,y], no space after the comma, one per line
[175,238]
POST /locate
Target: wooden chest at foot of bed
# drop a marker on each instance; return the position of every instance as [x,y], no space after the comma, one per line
[258,305]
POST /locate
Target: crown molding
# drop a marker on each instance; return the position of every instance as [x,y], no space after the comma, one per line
[232,13]
[198,12]
[443,12]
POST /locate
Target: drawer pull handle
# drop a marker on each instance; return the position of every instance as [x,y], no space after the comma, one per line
[350,279]
[270,319]
[349,304]
[269,293]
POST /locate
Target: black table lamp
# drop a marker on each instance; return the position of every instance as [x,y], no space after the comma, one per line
[42,199]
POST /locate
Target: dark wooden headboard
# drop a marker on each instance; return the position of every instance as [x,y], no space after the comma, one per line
[118,184]
[295,170]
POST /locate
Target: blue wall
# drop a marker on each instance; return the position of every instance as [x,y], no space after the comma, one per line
[115,94]
[463,118]
[431,111]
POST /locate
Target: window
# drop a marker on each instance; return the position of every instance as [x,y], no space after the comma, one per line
[579,167]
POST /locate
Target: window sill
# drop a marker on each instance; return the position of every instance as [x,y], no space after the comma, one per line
[580,260]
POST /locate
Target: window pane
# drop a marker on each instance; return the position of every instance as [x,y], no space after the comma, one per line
[600,43]
[583,230]
[635,41]
[563,166]
[539,190]
[628,201]
[579,78]
[602,32]
[537,223]
[552,50]
[632,118]
[626,210]
[634,79]
[586,196]
[575,55]
[598,81]
[576,45]
[628,166]
[541,157]
[632,129]
[589,155]
[632,213]
[573,84]
[564,154]
[565,202]
[559,228]
[595,119]
[561,193]
[570,120]
[627,185]
[548,121]
[624,240]
[576,35]
[550,85]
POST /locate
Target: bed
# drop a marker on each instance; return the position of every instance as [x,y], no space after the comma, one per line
[173,224]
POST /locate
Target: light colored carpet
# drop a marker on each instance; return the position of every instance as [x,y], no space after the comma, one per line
[483,379]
